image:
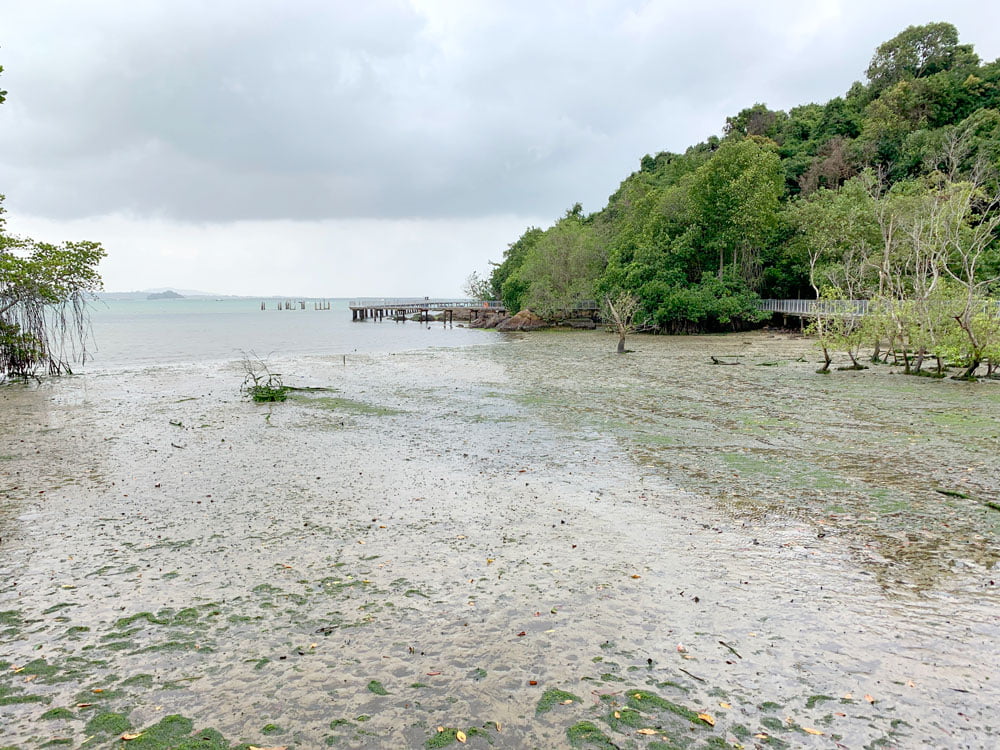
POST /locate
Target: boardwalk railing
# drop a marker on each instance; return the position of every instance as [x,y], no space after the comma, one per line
[426,303]
[855,308]
[816,307]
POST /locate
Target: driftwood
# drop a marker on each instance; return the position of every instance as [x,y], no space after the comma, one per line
[717,361]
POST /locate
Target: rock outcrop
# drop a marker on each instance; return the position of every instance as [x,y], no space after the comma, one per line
[523,321]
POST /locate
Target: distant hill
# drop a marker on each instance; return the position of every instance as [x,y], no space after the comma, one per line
[168,294]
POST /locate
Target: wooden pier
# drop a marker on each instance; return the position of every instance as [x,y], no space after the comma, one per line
[319,304]
[399,309]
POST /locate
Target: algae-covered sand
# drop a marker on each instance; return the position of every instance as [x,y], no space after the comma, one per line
[536,543]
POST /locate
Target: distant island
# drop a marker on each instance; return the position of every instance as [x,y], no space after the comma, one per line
[168,294]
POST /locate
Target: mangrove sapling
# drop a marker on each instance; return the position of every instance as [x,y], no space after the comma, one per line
[259,383]
[620,311]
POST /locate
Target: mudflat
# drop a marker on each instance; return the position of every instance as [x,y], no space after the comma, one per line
[535,543]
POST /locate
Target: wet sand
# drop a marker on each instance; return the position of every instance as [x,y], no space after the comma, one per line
[451,537]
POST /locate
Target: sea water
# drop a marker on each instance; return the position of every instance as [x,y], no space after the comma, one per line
[126,333]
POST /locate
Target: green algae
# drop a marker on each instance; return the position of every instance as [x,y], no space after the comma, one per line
[39,668]
[625,718]
[553,697]
[269,729]
[163,618]
[108,722]
[643,700]
[773,723]
[447,736]
[58,713]
[814,700]
[11,700]
[376,687]
[586,734]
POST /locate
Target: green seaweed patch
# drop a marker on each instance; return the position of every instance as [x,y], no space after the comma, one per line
[443,738]
[449,735]
[625,718]
[553,697]
[770,740]
[57,607]
[39,668]
[174,733]
[17,698]
[58,742]
[341,723]
[644,700]
[271,729]
[10,617]
[108,722]
[586,734]
[162,618]
[773,723]
[118,645]
[374,686]
[477,674]
[58,713]
[815,700]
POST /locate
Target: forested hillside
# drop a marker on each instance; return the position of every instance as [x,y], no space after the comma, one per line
[887,192]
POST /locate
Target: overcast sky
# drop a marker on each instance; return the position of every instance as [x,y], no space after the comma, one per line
[383,147]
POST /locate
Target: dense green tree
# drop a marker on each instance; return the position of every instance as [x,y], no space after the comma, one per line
[735,199]
[840,196]
[919,51]
[563,266]
[503,281]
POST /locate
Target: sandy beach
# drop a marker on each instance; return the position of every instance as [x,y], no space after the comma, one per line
[536,543]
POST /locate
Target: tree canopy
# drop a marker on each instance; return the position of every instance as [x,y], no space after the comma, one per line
[826,196]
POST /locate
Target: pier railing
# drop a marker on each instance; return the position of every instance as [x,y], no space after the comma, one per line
[422,302]
[854,308]
[816,307]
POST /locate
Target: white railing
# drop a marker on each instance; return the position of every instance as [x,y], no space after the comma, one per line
[813,307]
[855,308]
[426,303]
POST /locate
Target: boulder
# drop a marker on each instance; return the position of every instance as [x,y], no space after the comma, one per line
[523,321]
[488,320]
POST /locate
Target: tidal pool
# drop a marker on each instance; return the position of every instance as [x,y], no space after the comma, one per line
[535,543]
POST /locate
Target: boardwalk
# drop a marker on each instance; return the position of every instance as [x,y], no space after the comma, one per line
[398,309]
[813,308]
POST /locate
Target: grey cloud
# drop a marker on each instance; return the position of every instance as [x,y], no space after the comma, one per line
[308,110]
